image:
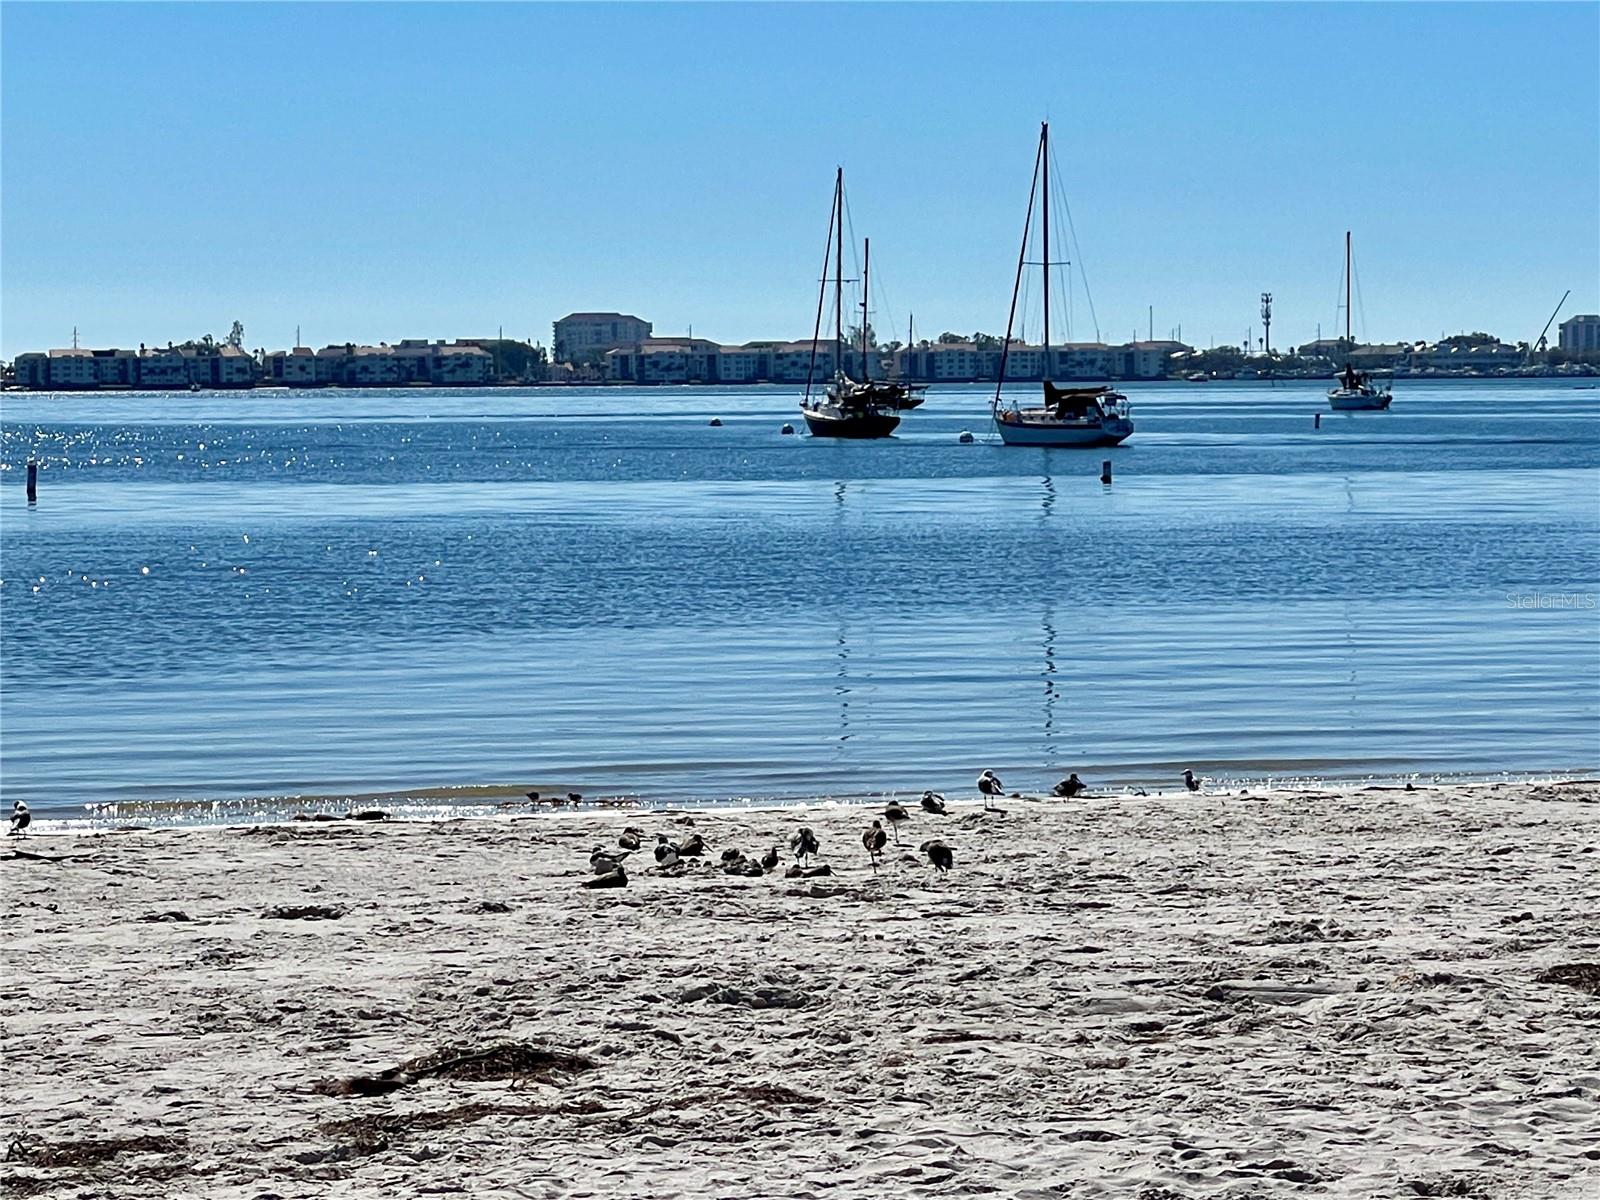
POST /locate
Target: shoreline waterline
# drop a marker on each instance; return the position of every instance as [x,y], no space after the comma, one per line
[491,802]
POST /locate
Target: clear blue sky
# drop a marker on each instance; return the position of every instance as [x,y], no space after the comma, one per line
[384,171]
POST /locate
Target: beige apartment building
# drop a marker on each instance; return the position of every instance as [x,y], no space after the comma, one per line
[591,334]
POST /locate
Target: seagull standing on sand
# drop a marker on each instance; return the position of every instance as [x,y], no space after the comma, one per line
[21,818]
[896,816]
[933,802]
[804,844]
[1070,786]
[1189,781]
[989,784]
[693,846]
[940,855]
[874,839]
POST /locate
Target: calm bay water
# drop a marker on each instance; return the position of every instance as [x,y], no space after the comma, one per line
[245,596]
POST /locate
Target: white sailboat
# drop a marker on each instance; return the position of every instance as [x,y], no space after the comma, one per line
[1356,391]
[1066,416]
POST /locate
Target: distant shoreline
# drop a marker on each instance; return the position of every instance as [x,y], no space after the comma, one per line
[1585,372]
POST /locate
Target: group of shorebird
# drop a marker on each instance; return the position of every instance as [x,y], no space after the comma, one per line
[609,869]
[672,858]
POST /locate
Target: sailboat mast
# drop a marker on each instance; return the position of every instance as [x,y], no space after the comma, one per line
[1347,289]
[866,267]
[838,273]
[1044,155]
[822,292]
[1016,286]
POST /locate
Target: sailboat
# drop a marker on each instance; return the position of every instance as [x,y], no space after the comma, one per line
[1356,391]
[847,407]
[1069,416]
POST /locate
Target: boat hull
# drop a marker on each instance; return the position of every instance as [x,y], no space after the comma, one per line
[856,425]
[1347,400]
[1021,431]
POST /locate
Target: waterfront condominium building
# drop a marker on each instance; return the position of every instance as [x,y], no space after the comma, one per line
[1581,335]
[588,335]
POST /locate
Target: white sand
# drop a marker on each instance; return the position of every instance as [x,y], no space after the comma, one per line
[1301,994]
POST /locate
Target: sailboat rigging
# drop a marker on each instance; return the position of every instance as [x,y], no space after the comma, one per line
[1356,391]
[1071,416]
[848,407]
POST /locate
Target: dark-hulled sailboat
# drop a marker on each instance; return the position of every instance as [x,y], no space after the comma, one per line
[1070,416]
[848,407]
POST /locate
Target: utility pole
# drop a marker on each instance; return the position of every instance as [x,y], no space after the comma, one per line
[1266,320]
[74,337]
[1152,322]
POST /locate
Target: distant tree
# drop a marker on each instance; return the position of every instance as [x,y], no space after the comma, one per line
[236,335]
[985,341]
[516,360]
[950,339]
[852,335]
[892,347]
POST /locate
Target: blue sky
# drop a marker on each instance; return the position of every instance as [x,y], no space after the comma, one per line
[378,171]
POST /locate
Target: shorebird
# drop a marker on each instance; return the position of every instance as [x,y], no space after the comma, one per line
[603,863]
[1189,781]
[574,797]
[769,860]
[1070,786]
[730,855]
[989,784]
[534,796]
[666,852]
[874,839]
[631,838]
[940,855]
[896,815]
[692,846]
[804,843]
[21,818]
[933,802]
[611,879]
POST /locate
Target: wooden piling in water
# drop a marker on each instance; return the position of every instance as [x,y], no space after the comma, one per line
[33,482]
[1105,471]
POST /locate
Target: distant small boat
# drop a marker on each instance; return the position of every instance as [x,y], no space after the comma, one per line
[1356,391]
[1199,377]
[1073,416]
[850,408]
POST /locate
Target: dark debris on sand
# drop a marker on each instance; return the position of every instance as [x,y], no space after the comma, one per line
[520,1061]
[304,912]
[83,1163]
[1583,976]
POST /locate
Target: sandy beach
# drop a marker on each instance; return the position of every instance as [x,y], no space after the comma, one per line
[1369,992]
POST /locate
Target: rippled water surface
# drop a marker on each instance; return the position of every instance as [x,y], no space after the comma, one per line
[238,596]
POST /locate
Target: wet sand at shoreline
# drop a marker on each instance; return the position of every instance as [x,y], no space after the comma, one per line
[1363,993]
